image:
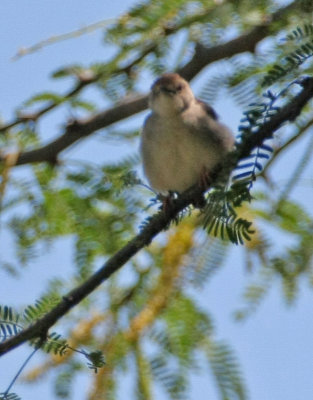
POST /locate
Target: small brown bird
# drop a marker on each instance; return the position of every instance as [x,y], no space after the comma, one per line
[182,139]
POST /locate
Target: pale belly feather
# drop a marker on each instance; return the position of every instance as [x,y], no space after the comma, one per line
[175,160]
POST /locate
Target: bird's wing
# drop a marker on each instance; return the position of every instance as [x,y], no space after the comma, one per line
[208,109]
[210,127]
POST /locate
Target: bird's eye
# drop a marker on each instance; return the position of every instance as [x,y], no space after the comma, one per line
[179,88]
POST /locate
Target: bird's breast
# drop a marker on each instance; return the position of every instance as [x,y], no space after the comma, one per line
[174,156]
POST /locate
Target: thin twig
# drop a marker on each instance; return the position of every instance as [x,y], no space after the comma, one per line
[292,139]
[19,372]
[23,51]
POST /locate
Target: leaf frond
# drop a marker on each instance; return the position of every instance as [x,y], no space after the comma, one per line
[220,217]
[225,369]
[9,323]
[9,396]
[293,59]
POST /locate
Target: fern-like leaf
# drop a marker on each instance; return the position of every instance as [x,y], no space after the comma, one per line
[226,371]
[206,259]
[9,396]
[256,115]
[40,308]
[220,217]
[300,32]
[96,360]
[53,344]
[9,325]
[294,58]
[173,382]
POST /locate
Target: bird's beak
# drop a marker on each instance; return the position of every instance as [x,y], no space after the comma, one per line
[168,90]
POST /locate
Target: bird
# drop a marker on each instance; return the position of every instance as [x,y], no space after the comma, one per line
[182,139]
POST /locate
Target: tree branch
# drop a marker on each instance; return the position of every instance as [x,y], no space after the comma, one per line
[302,131]
[159,222]
[84,78]
[76,130]
[203,56]
[246,42]
[23,51]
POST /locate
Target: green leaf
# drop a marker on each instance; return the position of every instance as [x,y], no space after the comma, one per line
[45,97]
[86,105]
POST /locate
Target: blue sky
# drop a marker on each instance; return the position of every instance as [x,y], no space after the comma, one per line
[274,346]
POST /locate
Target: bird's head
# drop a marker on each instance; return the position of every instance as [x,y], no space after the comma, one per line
[170,94]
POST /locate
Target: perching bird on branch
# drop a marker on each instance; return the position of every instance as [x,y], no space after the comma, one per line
[182,139]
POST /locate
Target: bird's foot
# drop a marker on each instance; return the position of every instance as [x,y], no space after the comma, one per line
[199,201]
[204,183]
[167,202]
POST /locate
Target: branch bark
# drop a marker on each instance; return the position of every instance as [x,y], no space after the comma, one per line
[77,130]
[159,222]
